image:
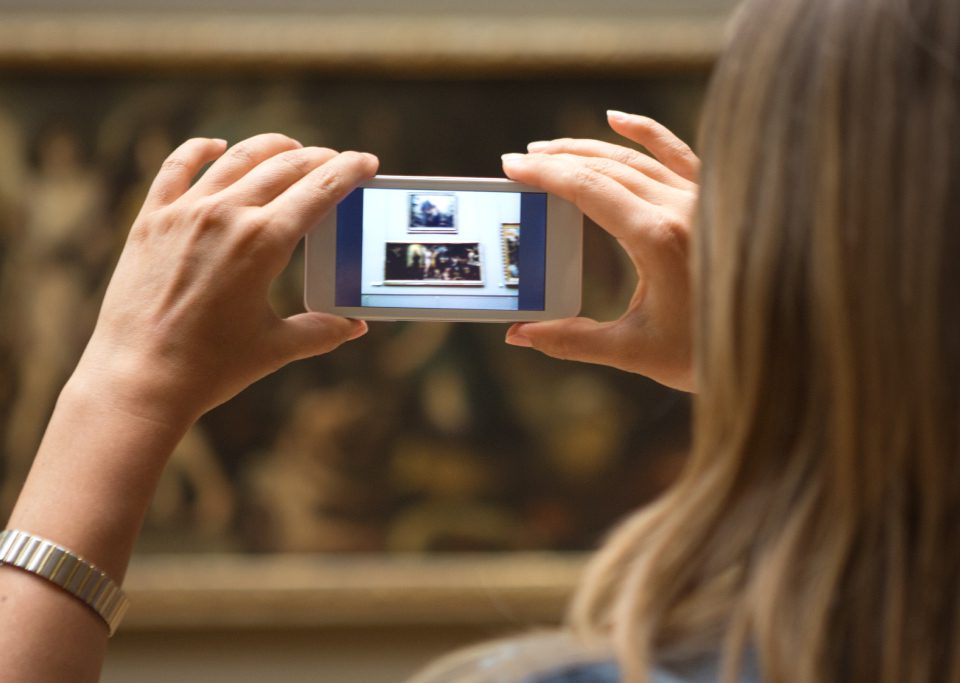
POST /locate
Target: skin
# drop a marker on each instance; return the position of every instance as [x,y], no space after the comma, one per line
[647,203]
[185,325]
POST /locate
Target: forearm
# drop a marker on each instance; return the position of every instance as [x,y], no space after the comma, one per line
[88,490]
[185,324]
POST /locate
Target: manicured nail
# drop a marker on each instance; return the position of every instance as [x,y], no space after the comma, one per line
[617,115]
[517,339]
[512,157]
[538,146]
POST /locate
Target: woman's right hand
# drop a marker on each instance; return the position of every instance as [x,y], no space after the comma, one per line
[186,321]
[647,203]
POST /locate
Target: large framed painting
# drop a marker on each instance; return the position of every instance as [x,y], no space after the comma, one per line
[510,249]
[435,264]
[434,212]
[351,481]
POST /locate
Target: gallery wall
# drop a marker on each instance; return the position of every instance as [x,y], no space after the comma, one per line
[423,441]
[480,217]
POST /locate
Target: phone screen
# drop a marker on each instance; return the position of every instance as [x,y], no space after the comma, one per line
[480,250]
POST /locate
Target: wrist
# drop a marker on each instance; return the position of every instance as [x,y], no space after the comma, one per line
[96,472]
[130,386]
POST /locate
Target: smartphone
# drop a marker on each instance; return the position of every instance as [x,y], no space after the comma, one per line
[433,248]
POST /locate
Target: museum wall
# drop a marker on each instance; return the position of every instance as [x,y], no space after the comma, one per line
[340,506]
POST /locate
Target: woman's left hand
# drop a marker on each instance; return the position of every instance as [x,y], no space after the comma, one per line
[647,203]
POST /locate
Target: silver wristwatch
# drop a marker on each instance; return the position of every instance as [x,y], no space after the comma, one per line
[61,567]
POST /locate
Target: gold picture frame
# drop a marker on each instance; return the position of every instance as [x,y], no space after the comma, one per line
[362,37]
[510,250]
[206,590]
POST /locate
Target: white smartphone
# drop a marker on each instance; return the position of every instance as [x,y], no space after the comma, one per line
[432,248]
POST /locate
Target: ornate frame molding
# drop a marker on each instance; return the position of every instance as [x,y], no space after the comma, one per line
[304,591]
[352,43]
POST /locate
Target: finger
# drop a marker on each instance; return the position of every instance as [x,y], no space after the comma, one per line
[305,202]
[306,335]
[180,168]
[673,152]
[638,183]
[579,339]
[604,150]
[272,177]
[622,344]
[611,205]
[241,159]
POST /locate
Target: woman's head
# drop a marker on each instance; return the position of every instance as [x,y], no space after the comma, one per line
[816,518]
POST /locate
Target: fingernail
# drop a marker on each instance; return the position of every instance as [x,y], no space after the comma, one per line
[512,157]
[537,146]
[617,115]
[360,329]
[517,339]
[221,141]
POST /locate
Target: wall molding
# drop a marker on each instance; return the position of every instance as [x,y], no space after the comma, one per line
[176,592]
[404,44]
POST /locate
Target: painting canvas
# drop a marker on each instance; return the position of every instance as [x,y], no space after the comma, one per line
[433,263]
[510,241]
[434,212]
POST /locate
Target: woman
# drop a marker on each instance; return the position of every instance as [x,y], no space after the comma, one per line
[813,530]
[810,537]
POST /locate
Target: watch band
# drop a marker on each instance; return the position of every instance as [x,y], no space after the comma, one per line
[61,567]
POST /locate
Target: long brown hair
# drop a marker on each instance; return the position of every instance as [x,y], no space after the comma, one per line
[817,524]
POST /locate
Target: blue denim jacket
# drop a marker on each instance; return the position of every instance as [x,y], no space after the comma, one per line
[604,672]
[704,671]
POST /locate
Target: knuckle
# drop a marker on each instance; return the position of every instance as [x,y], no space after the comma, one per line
[175,163]
[250,247]
[242,153]
[630,157]
[139,232]
[673,232]
[252,237]
[586,181]
[296,161]
[325,183]
[207,212]
[601,165]
[256,235]
[585,176]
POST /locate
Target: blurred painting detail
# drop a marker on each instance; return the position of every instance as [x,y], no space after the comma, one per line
[433,213]
[510,235]
[447,263]
[418,438]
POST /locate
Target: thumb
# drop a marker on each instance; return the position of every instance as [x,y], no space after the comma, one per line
[580,339]
[311,334]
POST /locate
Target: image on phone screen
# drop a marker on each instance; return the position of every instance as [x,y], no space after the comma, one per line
[441,249]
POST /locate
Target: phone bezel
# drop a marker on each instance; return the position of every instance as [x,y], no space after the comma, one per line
[564,258]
